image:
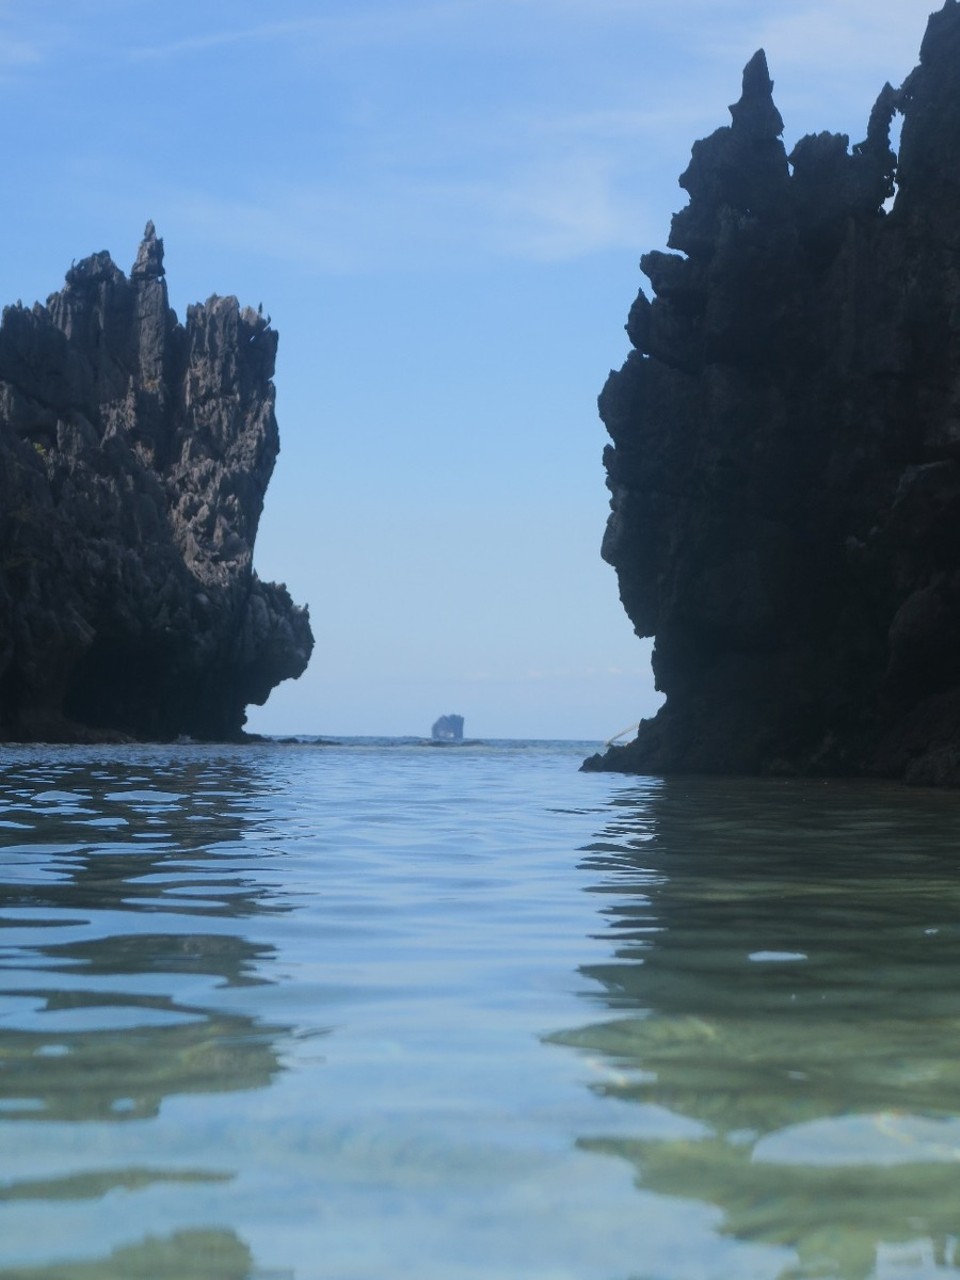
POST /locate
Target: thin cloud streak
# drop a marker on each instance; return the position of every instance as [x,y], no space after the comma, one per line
[823,38]
[487,23]
[512,183]
[16,54]
[615,124]
[385,26]
[223,39]
[562,210]
[559,209]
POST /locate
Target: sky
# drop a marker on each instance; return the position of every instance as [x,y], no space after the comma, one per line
[442,204]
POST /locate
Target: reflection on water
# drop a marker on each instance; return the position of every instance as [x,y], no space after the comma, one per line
[100,1022]
[786,976]
[280,1012]
[185,1255]
[127,1071]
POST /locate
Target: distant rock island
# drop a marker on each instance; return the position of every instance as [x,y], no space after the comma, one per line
[785,467]
[135,452]
[447,729]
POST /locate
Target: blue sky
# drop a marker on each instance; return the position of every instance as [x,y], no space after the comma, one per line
[442,204]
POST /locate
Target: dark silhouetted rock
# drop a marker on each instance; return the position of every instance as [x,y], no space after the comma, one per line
[785,467]
[134,457]
[447,729]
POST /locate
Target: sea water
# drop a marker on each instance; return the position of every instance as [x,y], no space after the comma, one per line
[379,1009]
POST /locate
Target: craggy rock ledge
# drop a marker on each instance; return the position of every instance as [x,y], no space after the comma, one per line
[135,452]
[785,466]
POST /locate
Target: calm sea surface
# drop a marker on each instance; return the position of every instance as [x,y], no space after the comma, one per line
[383,1010]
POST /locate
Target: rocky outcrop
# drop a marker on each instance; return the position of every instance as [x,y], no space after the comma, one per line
[135,452]
[447,729]
[785,466]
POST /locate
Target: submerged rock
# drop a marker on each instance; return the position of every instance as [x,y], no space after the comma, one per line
[785,466]
[135,452]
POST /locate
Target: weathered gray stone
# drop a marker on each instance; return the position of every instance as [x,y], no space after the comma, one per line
[135,453]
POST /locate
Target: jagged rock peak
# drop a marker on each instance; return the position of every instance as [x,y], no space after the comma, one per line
[739,171]
[755,115]
[785,459]
[135,453]
[149,263]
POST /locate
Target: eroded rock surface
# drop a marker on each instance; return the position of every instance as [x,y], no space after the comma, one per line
[135,452]
[785,466]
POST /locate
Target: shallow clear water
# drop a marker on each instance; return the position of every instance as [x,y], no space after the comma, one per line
[382,1010]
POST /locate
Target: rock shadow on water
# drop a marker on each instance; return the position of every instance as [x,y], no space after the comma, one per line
[87,1009]
[125,1074]
[103,1022]
[184,1255]
[783,979]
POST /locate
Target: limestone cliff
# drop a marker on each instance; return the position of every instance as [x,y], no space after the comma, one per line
[785,466]
[135,452]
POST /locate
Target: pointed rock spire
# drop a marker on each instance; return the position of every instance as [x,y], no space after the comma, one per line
[149,263]
[755,115]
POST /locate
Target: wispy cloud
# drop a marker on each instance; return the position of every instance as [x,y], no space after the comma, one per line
[544,216]
[381,24]
[826,38]
[321,229]
[535,24]
[224,38]
[17,53]
[401,162]
[615,124]
[511,184]
[830,61]
[560,208]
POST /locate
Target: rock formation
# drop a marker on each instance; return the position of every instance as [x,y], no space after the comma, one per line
[785,467]
[134,457]
[447,729]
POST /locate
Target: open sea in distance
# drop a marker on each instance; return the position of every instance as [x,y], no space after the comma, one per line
[377,1010]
